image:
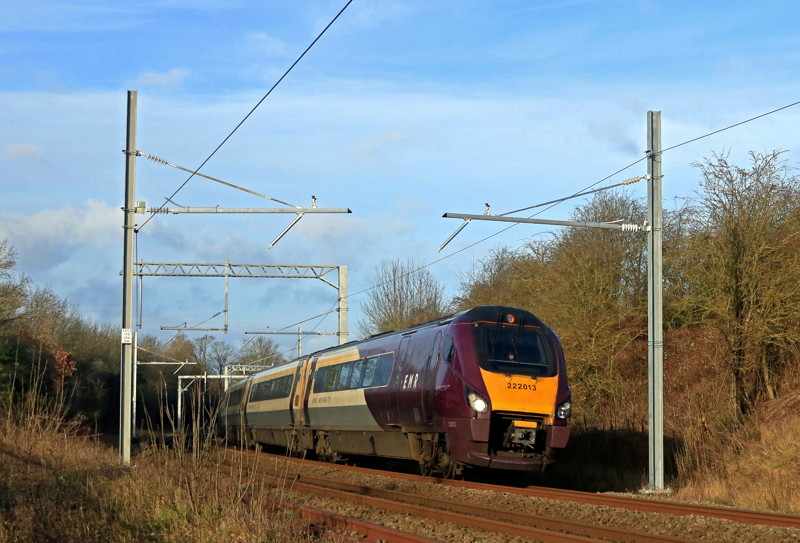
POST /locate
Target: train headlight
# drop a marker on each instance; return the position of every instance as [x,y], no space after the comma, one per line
[564,411]
[476,402]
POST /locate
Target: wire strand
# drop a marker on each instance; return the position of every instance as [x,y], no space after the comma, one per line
[559,201]
[445,257]
[729,127]
[167,163]
[662,152]
[251,111]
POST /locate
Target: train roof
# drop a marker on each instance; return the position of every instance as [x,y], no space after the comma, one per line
[480,312]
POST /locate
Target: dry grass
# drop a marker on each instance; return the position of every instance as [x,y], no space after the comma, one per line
[756,465]
[59,485]
[711,454]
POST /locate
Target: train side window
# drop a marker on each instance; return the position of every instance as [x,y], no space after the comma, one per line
[333,374]
[235,397]
[383,370]
[369,371]
[320,379]
[272,389]
[260,391]
[355,377]
[344,375]
[447,351]
[283,387]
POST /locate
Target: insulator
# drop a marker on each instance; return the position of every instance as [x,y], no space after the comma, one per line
[630,227]
[632,180]
[157,210]
[155,158]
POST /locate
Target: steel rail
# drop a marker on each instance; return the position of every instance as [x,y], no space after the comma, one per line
[745,516]
[371,532]
[417,508]
[539,521]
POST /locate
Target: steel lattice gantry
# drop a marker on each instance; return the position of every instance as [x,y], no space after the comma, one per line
[256,271]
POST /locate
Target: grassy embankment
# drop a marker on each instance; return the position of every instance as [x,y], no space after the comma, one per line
[711,453]
[58,484]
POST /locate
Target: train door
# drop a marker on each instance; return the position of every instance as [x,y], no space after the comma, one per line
[429,381]
[243,403]
[311,368]
[296,408]
[396,385]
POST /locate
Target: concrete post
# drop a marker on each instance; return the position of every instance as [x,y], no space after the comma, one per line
[342,305]
[126,366]
[655,351]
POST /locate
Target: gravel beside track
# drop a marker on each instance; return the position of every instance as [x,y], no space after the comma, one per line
[691,527]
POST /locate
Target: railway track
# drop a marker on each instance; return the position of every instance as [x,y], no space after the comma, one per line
[647,505]
[534,527]
[368,531]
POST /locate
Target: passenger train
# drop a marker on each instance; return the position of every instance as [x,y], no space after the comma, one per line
[485,387]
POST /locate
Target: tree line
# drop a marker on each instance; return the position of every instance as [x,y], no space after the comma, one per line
[731,264]
[46,341]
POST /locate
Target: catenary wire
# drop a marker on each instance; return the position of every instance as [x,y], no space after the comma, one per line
[557,202]
[729,127]
[167,163]
[271,356]
[537,205]
[665,150]
[160,354]
[251,111]
[579,194]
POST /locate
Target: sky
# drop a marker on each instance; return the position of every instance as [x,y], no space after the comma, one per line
[402,111]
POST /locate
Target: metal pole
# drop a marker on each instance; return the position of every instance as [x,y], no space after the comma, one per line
[342,305]
[139,309]
[180,404]
[227,268]
[655,351]
[226,379]
[126,369]
[299,342]
[501,218]
[133,381]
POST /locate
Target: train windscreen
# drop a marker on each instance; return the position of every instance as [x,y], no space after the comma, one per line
[509,348]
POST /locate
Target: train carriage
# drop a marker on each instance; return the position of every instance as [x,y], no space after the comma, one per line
[486,387]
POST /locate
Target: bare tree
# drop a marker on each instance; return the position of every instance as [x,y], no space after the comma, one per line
[745,284]
[201,348]
[221,354]
[261,351]
[403,294]
[498,279]
[13,291]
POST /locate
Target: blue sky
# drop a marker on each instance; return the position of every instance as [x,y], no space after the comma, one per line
[402,111]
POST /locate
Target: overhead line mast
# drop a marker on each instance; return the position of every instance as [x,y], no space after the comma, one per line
[652,226]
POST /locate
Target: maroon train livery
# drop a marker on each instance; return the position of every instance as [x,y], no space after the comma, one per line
[485,387]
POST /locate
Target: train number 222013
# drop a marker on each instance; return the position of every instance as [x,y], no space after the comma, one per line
[521,386]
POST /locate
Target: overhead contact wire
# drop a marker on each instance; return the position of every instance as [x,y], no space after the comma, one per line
[556,202]
[252,110]
[661,153]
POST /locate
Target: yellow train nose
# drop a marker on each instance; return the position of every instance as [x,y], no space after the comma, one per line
[521,393]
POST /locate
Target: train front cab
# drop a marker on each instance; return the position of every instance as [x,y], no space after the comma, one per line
[509,369]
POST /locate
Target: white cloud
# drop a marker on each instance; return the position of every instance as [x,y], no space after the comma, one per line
[266,44]
[95,223]
[171,79]
[21,150]
[413,204]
